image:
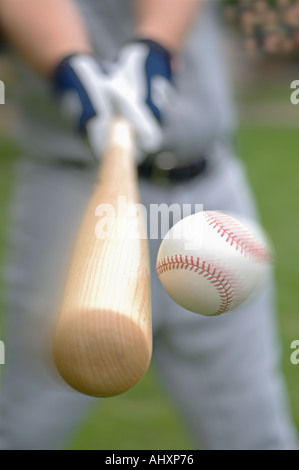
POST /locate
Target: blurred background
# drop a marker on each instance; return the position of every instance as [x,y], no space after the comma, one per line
[262,41]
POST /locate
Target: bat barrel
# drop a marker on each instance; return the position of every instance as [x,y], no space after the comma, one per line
[104,357]
[103,336]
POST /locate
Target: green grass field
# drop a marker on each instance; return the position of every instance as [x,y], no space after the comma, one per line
[143,418]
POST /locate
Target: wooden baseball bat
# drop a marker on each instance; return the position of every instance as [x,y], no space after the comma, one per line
[103,336]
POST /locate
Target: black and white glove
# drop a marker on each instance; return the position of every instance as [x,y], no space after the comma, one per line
[82,86]
[138,86]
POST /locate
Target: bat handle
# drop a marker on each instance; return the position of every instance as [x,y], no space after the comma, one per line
[121,134]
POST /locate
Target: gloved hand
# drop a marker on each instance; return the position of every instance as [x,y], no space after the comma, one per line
[81,83]
[138,86]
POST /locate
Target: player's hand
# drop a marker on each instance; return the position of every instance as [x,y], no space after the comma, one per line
[140,89]
[82,85]
[137,86]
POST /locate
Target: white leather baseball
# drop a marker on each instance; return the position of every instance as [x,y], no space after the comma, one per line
[210,262]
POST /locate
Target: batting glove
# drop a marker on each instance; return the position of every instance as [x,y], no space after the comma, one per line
[137,86]
[141,88]
[82,84]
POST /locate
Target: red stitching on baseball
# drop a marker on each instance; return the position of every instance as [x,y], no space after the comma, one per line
[223,286]
[237,235]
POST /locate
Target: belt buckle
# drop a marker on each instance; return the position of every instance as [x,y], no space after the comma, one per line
[164,162]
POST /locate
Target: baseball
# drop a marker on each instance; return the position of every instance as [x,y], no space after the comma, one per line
[211,262]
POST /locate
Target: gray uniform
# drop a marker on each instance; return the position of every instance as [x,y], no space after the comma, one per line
[222,373]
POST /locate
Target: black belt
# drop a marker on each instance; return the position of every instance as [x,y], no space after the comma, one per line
[160,170]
